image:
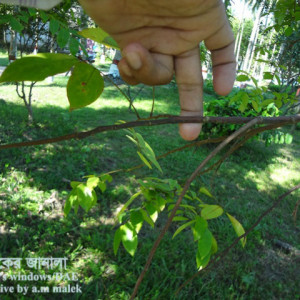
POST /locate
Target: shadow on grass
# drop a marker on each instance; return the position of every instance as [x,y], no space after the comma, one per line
[87,240]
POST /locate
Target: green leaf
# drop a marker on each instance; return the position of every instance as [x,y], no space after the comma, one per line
[100,36]
[147,218]
[202,262]
[288,32]
[102,186]
[205,191]
[86,197]
[37,67]
[288,138]
[63,37]
[106,177]
[278,79]
[92,182]
[214,245]
[74,46]
[199,228]
[244,104]
[268,76]
[205,244]
[242,78]
[179,218]
[144,160]
[267,102]
[16,25]
[54,26]
[255,105]
[126,205]
[136,219]
[44,16]
[74,184]
[117,240]
[182,227]
[129,238]
[238,228]
[84,86]
[152,211]
[211,211]
[69,202]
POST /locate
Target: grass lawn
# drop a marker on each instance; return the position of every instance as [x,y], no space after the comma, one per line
[34,183]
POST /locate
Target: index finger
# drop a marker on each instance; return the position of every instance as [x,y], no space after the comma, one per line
[189,80]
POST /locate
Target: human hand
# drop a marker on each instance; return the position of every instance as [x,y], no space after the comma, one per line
[160,37]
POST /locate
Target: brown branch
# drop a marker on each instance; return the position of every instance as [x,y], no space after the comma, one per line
[222,254]
[233,136]
[170,120]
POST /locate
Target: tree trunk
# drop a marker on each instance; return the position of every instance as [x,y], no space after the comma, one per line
[253,38]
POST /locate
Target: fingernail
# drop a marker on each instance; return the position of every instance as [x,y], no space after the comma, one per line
[126,70]
[134,60]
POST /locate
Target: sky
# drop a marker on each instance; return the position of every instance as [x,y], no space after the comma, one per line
[238,9]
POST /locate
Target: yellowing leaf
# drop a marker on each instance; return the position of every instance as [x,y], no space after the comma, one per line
[238,228]
[211,211]
[100,36]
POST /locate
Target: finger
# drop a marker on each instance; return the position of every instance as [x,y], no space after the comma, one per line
[221,45]
[224,69]
[140,65]
[188,74]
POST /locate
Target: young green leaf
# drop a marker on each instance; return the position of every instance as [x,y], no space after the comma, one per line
[199,228]
[238,228]
[182,227]
[202,262]
[117,240]
[126,205]
[129,238]
[84,86]
[144,160]
[152,211]
[136,219]
[86,197]
[92,182]
[147,218]
[69,202]
[37,67]
[211,211]
[205,244]
[205,191]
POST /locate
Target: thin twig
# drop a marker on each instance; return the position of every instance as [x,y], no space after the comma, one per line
[184,190]
[222,254]
[170,120]
[153,101]
[122,92]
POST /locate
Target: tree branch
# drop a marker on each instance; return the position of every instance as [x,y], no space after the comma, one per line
[233,136]
[222,254]
[155,122]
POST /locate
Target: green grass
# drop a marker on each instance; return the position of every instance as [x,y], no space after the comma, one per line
[34,183]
